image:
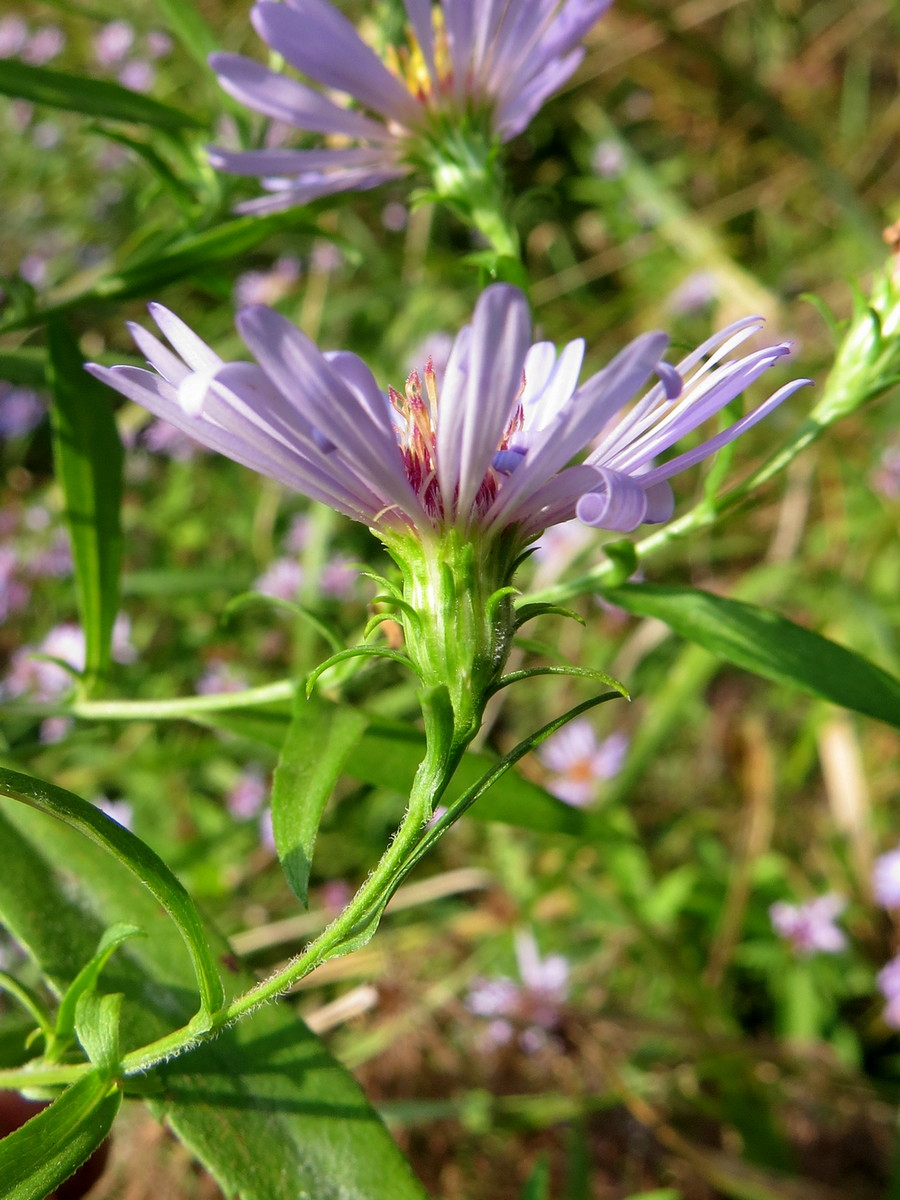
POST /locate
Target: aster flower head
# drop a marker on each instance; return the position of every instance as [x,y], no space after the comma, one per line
[469,467]
[810,928]
[466,78]
[886,879]
[579,762]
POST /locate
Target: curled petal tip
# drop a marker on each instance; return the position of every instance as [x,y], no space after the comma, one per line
[670,379]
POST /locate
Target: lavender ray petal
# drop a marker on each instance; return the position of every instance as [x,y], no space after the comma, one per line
[459,20]
[319,41]
[694,408]
[515,112]
[297,368]
[154,394]
[169,365]
[472,418]
[660,501]
[314,188]
[288,100]
[682,461]
[559,387]
[194,351]
[560,493]
[590,408]
[620,506]
[294,162]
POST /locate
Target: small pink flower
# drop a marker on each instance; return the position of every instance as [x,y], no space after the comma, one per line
[44,45]
[889,986]
[533,1007]
[580,762]
[248,793]
[810,928]
[219,678]
[268,287]
[281,580]
[886,879]
[112,43]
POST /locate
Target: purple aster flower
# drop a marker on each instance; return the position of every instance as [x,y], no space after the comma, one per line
[247,794]
[533,1006]
[281,580]
[487,67]
[44,45]
[268,287]
[138,75]
[162,438]
[112,43]
[484,450]
[339,576]
[889,986]
[119,811]
[580,762]
[219,678]
[55,729]
[886,879]
[21,411]
[13,35]
[158,44]
[810,928]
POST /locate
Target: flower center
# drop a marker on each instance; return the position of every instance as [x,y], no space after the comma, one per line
[416,429]
[410,65]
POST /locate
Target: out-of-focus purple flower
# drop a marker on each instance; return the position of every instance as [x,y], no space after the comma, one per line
[267,287]
[394,217]
[492,456]
[580,762]
[33,269]
[48,681]
[810,928]
[21,411]
[161,437]
[44,45]
[248,793]
[55,729]
[46,135]
[335,895]
[138,75]
[297,535]
[55,562]
[489,65]
[119,811]
[266,830]
[20,113]
[14,594]
[339,576]
[281,580]
[13,35]
[889,986]
[886,879]
[158,44]
[533,1007]
[608,160]
[885,479]
[219,678]
[696,292]
[112,43]
[325,258]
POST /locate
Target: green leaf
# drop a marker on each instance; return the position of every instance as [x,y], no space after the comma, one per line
[264,1106]
[45,1151]
[768,645]
[97,1023]
[89,457]
[138,858]
[389,754]
[185,21]
[86,980]
[319,740]
[94,97]
[24,368]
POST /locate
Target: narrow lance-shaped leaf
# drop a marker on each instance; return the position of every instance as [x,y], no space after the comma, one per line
[137,857]
[768,645]
[264,1106]
[88,455]
[93,97]
[45,1151]
[318,742]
